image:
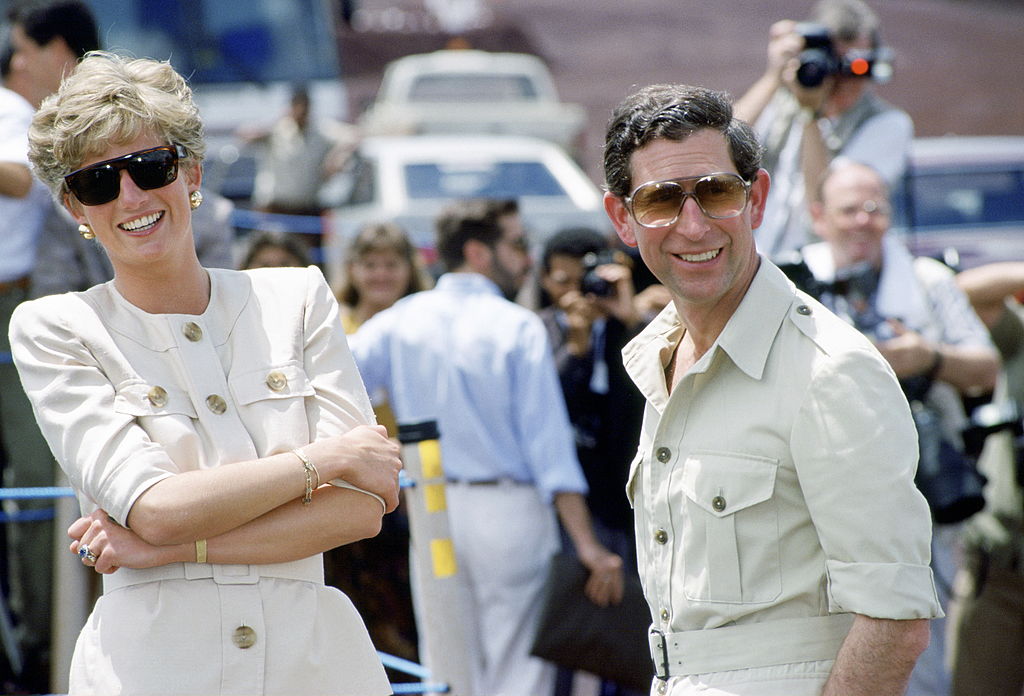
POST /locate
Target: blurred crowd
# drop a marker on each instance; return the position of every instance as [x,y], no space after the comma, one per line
[549,433]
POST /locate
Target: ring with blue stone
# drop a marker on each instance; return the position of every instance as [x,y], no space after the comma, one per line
[85,554]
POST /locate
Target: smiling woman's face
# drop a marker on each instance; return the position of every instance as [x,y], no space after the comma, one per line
[141,227]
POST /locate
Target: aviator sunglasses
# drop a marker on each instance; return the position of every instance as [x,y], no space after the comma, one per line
[150,169]
[720,196]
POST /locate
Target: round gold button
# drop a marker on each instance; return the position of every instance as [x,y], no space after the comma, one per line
[664,614]
[216,404]
[192,331]
[718,503]
[277,381]
[243,637]
[661,536]
[157,396]
[662,687]
[663,454]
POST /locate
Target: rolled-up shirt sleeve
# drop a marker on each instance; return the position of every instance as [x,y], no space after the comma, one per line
[87,420]
[341,401]
[855,450]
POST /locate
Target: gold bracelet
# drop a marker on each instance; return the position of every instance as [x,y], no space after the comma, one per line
[201,551]
[309,470]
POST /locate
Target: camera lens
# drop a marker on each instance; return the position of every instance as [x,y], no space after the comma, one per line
[815,66]
[592,283]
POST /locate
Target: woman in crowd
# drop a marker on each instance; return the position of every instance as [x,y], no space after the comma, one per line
[200,414]
[274,250]
[381,267]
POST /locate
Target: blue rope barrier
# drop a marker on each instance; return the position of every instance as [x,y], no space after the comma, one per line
[36,493]
[415,670]
[414,688]
[247,219]
[40,515]
[403,665]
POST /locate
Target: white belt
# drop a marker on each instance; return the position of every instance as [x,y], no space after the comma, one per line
[309,569]
[763,644]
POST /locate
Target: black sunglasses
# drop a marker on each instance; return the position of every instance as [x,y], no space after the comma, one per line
[150,169]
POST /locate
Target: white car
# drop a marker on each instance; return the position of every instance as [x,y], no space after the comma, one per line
[408,180]
[468,91]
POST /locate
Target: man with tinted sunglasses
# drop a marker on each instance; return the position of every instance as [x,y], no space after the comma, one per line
[782,543]
[46,39]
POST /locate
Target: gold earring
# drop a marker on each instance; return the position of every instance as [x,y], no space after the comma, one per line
[86,232]
[195,199]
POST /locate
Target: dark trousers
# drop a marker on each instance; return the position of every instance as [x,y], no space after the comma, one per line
[30,536]
[987,631]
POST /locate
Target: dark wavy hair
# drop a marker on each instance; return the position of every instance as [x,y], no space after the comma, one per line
[673,112]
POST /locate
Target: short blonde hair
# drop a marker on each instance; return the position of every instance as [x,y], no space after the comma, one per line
[111,99]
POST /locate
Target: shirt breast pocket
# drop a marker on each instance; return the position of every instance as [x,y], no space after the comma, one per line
[730,526]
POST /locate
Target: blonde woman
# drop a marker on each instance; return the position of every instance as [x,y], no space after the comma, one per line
[201,415]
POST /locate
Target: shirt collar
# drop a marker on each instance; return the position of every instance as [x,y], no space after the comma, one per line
[747,337]
[465,282]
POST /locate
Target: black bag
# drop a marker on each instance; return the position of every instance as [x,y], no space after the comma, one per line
[575,633]
[949,479]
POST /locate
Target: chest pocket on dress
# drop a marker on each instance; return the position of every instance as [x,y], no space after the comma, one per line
[283,383]
[730,528]
[164,411]
[140,399]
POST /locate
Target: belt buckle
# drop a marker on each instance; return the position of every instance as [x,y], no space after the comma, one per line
[659,653]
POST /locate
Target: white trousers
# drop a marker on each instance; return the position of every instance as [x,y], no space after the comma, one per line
[504,536]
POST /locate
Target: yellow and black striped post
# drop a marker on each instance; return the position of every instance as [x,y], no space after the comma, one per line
[431,551]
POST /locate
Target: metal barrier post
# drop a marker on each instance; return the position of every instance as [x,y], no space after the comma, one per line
[440,603]
[72,597]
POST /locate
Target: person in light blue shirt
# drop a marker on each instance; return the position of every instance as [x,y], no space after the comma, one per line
[480,365]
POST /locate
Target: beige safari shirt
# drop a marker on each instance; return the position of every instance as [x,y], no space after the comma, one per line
[776,481]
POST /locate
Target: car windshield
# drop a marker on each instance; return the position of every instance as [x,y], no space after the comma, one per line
[953,199]
[491,180]
[451,87]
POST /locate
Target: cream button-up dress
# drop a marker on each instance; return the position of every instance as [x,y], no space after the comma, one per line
[125,399]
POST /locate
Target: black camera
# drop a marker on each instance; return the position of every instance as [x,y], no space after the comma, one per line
[819,59]
[592,283]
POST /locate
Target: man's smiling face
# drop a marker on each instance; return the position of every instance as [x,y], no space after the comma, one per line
[704,262]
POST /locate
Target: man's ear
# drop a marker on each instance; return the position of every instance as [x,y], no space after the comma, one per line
[758,197]
[478,256]
[615,207]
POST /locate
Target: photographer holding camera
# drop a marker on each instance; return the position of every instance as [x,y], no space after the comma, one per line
[588,306]
[925,328]
[590,314]
[813,103]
